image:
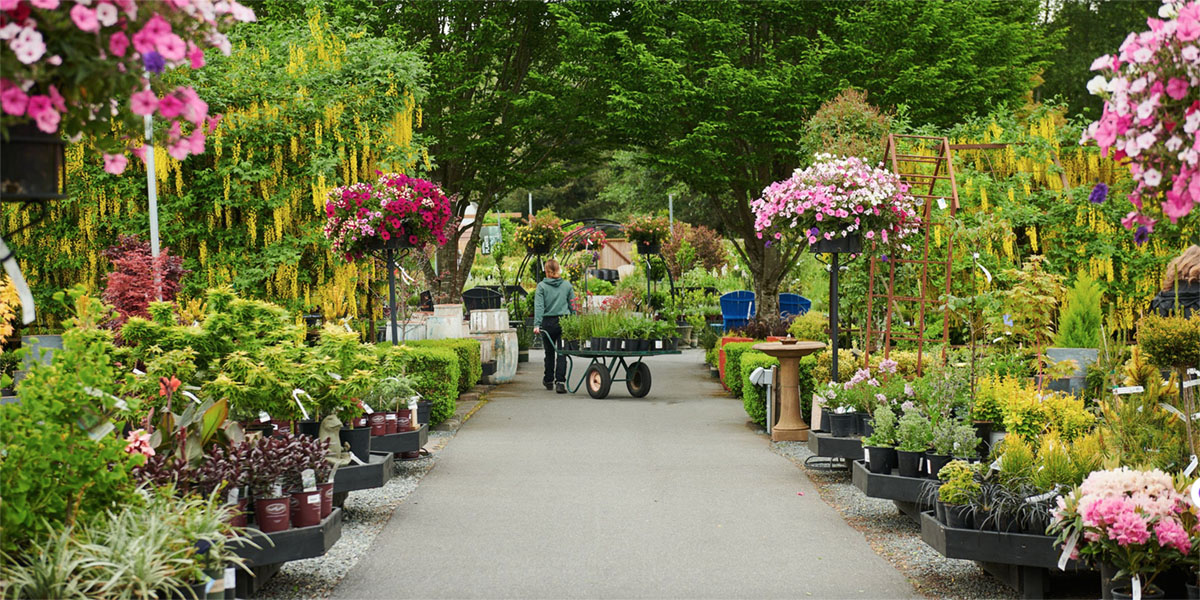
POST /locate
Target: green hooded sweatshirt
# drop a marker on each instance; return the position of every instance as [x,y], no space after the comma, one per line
[552,298]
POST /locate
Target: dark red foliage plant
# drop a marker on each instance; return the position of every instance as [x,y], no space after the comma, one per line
[131,285]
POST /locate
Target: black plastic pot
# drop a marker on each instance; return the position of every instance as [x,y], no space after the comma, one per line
[936,462]
[824,422]
[985,519]
[866,425]
[359,439]
[599,343]
[31,164]
[571,344]
[1108,580]
[649,247]
[1037,524]
[843,425]
[309,428]
[939,511]
[848,245]
[958,516]
[910,463]
[1149,592]
[1193,591]
[879,460]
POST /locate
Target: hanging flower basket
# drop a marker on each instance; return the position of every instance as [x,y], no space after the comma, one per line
[396,212]
[32,164]
[647,233]
[540,233]
[649,247]
[851,244]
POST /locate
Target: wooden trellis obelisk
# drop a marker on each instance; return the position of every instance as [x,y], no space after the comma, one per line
[926,165]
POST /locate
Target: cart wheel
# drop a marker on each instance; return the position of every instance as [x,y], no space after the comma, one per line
[638,382]
[598,380]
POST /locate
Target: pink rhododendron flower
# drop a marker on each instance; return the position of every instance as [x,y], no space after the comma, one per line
[84,18]
[143,102]
[115,163]
[1129,528]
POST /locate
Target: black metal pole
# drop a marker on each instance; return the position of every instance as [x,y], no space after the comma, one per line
[391,267]
[833,315]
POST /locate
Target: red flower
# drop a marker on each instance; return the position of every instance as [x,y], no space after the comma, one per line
[167,386]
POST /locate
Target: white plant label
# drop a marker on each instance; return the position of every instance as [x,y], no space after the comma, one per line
[1137,587]
[349,329]
[296,395]
[98,432]
[1130,389]
[1040,497]
[942,203]
[276,490]
[367,408]
[230,578]
[232,497]
[191,395]
[138,372]
[263,417]
[1195,372]
[866,456]
[335,376]
[309,479]
[995,466]
[1191,466]
[391,416]
[1192,383]
[1068,550]
[355,459]
[314,499]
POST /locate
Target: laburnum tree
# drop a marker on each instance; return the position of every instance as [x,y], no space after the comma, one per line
[138,278]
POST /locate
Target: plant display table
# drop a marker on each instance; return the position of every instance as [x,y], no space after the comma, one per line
[277,548]
[824,444]
[790,427]
[608,366]
[1024,562]
[405,441]
[362,477]
[906,492]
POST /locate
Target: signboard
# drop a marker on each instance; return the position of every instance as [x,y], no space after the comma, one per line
[489,236]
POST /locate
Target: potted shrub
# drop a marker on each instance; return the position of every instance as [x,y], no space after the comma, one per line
[1127,519]
[540,233]
[843,422]
[870,202]
[958,490]
[942,439]
[1078,337]
[264,467]
[572,331]
[966,443]
[881,444]
[647,233]
[912,439]
[1174,343]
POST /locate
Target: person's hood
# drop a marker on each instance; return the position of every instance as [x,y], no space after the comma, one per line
[553,281]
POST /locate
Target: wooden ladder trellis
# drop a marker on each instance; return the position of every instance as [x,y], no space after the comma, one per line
[922,172]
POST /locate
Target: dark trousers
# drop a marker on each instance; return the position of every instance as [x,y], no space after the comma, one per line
[556,364]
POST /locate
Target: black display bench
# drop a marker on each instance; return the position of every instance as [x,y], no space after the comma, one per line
[1026,563]
[277,548]
[354,477]
[824,445]
[405,441]
[905,492]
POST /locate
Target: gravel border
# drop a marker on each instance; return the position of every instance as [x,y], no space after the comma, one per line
[365,514]
[894,536]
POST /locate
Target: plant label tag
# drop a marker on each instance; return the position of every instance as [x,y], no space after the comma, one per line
[1040,497]
[230,578]
[995,466]
[391,416]
[276,490]
[349,329]
[366,407]
[1130,389]
[263,417]
[1191,466]
[866,456]
[1195,372]
[296,396]
[1192,383]
[314,499]
[942,203]
[195,323]
[232,496]
[335,376]
[1068,550]
[1137,587]
[98,432]
[355,459]
[138,372]
[191,395]
[309,479]
[119,404]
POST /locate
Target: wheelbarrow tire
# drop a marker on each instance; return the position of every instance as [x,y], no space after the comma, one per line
[638,382]
[598,380]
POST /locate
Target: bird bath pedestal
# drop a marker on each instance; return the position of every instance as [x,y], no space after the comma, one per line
[790,428]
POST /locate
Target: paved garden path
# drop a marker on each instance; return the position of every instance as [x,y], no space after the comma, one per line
[543,495]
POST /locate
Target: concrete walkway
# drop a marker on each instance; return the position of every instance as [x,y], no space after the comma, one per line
[543,495]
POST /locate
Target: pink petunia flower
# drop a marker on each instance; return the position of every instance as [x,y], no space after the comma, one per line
[143,102]
[85,18]
[13,100]
[170,106]
[118,43]
[171,46]
[107,14]
[44,4]
[115,163]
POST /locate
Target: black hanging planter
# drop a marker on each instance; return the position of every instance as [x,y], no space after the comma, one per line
[649,247]
[846,245]
[541,248]
[32,164]
[396,242]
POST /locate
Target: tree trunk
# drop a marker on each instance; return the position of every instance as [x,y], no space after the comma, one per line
[768,270]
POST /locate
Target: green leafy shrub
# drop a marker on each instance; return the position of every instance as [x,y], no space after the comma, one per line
[847,125]
[434,372]
[913,432]
[884,434]
[470,368]
[811,326]
[733,365]
[1170,342]
[599,287]
[754,397]
[1080,319]
[958,483]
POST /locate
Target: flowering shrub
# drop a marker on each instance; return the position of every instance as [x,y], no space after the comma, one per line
[74,67]
[1152,113]
[835,198]
[588,238]
[647,229]
[1132,519]
[540,231]
[397,210]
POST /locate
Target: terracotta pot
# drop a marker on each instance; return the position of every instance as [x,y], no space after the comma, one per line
[281,427]
[358,422]
[272,514]
[326,490]
[378,423]
[307,507]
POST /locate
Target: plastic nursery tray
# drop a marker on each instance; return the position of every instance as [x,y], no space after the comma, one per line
[364,477]
[904,491]
[1022,561]
[277,548]
[406,441]
[822,443]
